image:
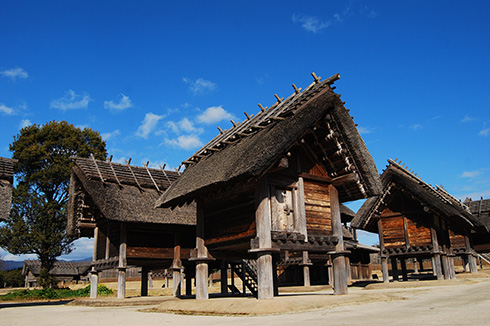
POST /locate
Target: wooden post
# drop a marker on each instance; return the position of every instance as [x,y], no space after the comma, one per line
[339,263]
[306,269]
[121,278]
[96,242]
[202,255]
[330,270]
[472,267]
[384,269]
[421,263]
[176,267]
[144,281]
[300,211]
[94,283]
[437,266]
[415,266]
[107,241]
[224,277]
[264,252]
[445,266]
[394,269]
[452,269]
[403,264]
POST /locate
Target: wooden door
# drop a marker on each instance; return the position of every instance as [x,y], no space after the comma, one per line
[282,209]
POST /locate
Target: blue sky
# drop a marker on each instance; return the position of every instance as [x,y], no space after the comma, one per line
[156,78]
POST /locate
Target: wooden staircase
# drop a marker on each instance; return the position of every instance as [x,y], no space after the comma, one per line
[247,272]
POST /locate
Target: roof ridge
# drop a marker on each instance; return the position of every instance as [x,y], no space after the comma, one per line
[263,119]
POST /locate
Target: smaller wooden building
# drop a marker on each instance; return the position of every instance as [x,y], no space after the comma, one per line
[63,271]
[418,221]
[481,238]
[115,204]
[6,181]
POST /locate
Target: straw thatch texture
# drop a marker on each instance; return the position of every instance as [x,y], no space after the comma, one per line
[250,149]
[480,210]
[130,200]
[6,180]
[60,268]
[436,199]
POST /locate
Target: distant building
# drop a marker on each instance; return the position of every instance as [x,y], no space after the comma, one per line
[62,271]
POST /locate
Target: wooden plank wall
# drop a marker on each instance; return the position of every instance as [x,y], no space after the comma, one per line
[317,207]
[418,235]
[457,240]
[393,231]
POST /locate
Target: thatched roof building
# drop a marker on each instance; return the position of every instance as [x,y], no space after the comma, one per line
[122,193]
[435,199]
[481,211]
[62,271]
[249,149]
[6,181]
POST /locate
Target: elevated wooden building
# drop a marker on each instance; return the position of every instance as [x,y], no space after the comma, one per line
[418,221]
[270,188]
[115,204]
[6,181]
[481,238]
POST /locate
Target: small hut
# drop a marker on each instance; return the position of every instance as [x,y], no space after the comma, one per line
[63,271]
[481,238]
[417,221]
[115,204]
[270,189]
[6,181]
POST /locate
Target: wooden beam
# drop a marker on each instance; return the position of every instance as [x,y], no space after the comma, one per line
[339,263]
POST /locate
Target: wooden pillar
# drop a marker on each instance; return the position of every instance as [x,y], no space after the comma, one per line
[349,269]
[415,266]
[394,268]
[339,263]
[176,267]
[224,277]
[466,263]
[473,264]
[384,269]
[121,277]
[445,266]
[202,257]
[96,242]
[421,263]
[403,264]
[437,266]
[306,269]
[264,251]
[107,241]
[144,281]
[330,270]
[94,283]
[452,269]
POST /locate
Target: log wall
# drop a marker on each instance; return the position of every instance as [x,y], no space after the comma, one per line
[418,235]
[317,207]
[393,231]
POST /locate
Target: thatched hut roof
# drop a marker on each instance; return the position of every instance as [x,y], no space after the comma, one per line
[6,180]
[249,149]
[434,198]
[480,210]
[120,192]
[60,268]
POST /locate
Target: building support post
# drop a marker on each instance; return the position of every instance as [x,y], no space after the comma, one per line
[202,274]
[306,269]
[445,266]
[339,261]
[94,283]
[176,268]
[437,266]
[121,277]
[144,281]
[403,264]
[473,264]
[384,269]
[394,268]
[224,277]
[263,242]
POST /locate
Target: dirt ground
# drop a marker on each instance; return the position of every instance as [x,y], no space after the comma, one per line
[465,301]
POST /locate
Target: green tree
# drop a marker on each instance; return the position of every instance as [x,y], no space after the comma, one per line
[37,221]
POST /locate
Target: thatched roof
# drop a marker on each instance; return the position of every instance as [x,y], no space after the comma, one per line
[480,210]
[6,180]
[435,198]
[249,149]
[122,193]
[60,268]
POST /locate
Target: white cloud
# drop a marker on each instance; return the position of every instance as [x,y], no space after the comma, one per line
[15,73]
[471,174]
[200,85]
[124,103]
[148,125]
[310,23]
[186,142]
[365,130]
[484,132]
[467,119]
[25,123]
[108,135]
[71,101]
[415,126]
[6,110]
[214,114]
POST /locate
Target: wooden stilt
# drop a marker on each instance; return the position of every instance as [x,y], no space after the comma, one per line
[306,269]
[452,269]
[144,281]
[445,267]
[384,269]
[437,266]
[94,283]
[202,256]
[177,268]
[403,264]
[421,264]
[394,269]
[466,263]
[415,266]
[473,264]
[224,277]
[339,263]
[121,279]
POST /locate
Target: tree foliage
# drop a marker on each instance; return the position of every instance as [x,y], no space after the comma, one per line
[37,221]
